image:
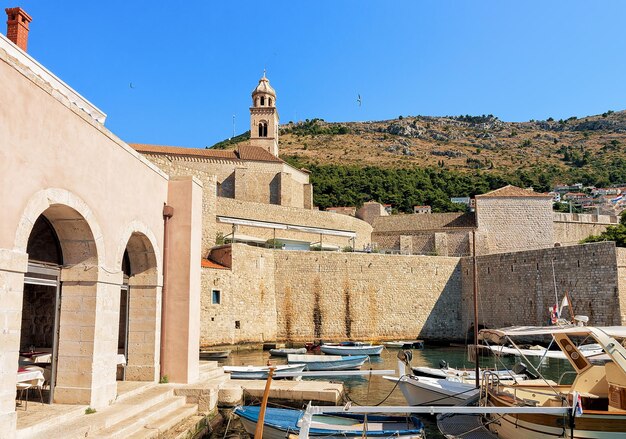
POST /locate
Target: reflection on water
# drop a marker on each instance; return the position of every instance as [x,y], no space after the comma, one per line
[376,390]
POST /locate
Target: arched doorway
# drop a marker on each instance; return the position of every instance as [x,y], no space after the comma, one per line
[58,318]
[140,310]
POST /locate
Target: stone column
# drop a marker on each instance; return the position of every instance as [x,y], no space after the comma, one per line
[89,320]
[182,297]
[13,265]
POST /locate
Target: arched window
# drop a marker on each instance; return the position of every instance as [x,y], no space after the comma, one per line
[262,100]
[262,129]
[269,102]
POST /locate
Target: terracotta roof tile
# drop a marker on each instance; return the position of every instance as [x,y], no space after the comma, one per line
[245,152]
[207,263]
[177,150]
[248,152]
[510,191]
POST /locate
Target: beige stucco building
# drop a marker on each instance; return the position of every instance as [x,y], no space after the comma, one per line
[85,263]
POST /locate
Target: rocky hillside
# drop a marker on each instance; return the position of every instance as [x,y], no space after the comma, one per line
[460,143]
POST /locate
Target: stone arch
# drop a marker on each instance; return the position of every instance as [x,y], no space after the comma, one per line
[73,221]
[141,302]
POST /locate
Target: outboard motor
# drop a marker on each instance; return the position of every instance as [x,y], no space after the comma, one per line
[522,369]
[404,360]
[443,364]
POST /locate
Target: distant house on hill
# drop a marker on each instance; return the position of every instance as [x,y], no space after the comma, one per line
[421,209]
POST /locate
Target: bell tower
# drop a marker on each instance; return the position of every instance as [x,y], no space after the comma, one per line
[264,117]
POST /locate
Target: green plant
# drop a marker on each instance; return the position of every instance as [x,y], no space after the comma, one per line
[219,238]
[347,249]
[89,411]
[164,380]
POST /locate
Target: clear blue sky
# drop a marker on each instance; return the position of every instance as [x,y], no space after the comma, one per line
[194,66]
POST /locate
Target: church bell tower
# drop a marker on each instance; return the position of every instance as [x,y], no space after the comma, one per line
[264,117]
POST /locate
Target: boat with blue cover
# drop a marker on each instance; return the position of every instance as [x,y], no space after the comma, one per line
[328,362]
[283,423]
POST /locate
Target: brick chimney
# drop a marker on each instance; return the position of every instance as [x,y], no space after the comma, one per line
[17,26]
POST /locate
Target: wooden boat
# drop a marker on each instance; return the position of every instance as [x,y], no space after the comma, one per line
[214,355]
[352,350]
[283,352]
[328,362]
[284,423]
[404,344]
[259,372]
[597,393]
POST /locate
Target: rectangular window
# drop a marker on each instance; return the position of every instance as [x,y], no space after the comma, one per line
[216,297]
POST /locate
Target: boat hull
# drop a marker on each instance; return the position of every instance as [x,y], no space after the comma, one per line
[284,423]
[285,352]
[590,425]
[214,355]
[259,373]
[433,391]
[352,350]
[343,363]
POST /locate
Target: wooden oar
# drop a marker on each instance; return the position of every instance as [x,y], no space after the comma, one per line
[258,432]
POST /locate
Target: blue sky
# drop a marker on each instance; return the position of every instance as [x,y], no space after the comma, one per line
[194,64]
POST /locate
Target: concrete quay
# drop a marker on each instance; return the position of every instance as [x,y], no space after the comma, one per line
[319,392]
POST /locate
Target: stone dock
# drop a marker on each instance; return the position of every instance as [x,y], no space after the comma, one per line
[145,410]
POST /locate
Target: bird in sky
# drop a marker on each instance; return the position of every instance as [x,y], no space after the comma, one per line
[358,99]
[131,85]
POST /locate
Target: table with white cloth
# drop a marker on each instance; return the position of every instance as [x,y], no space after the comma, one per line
[32,376]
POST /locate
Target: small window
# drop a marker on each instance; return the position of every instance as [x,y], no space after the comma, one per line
[269,101]
[262,100]
[216,297]
[237,324]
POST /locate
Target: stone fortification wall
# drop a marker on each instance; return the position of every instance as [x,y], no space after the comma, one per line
[571,228]
[517,288]
[263,182]
[247,308]
[208,180]
[290,215]
[337,296]
[621,280]
[514,223]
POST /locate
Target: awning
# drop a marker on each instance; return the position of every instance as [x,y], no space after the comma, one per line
[499,335]
[281,226]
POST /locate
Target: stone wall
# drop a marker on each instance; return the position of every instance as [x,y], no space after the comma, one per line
[289,215]
[517,288]
[571,228]
[514,223]
[247,308]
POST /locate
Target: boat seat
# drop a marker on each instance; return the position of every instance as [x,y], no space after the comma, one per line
[371,426]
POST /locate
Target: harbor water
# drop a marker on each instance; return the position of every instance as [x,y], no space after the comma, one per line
[375,390]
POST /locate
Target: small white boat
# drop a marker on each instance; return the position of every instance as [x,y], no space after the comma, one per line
[464,374]
[260,372]
[405,344]
[328,362]
[593,351]
[434,391]
[214,355]
[286,423]
[352,350]
[283,352]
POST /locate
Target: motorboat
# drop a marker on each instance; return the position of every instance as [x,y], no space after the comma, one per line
[352,350]
[260,372]
[597,396]
[284,423]
[419,390]
[469,375]
[404,344]
[328,362]
[214,355]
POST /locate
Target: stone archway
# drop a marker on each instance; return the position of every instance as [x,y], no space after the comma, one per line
[144,302]
[84,374]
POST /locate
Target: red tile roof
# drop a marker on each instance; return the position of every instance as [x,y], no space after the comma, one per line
[510,191]
[245,152]
[207,263]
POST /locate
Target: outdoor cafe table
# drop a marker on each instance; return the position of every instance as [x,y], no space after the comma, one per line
[33,376]
[40,356]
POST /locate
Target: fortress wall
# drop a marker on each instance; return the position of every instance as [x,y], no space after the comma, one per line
[511,224]
[621,281]
[291,215]
[517,288]
[209,196]
[571,228]
[423,242]
[338,296]
[247,297]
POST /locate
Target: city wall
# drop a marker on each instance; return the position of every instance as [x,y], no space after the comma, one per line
[517,288]
[571,228]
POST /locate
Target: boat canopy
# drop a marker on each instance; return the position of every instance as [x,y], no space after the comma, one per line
[499,335]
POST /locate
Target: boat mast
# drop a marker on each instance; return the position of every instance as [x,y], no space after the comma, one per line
[476,358]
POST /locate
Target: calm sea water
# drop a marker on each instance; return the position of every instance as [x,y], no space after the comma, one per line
[364,391]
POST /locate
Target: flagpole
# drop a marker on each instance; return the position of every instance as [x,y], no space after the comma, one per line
[475,268]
